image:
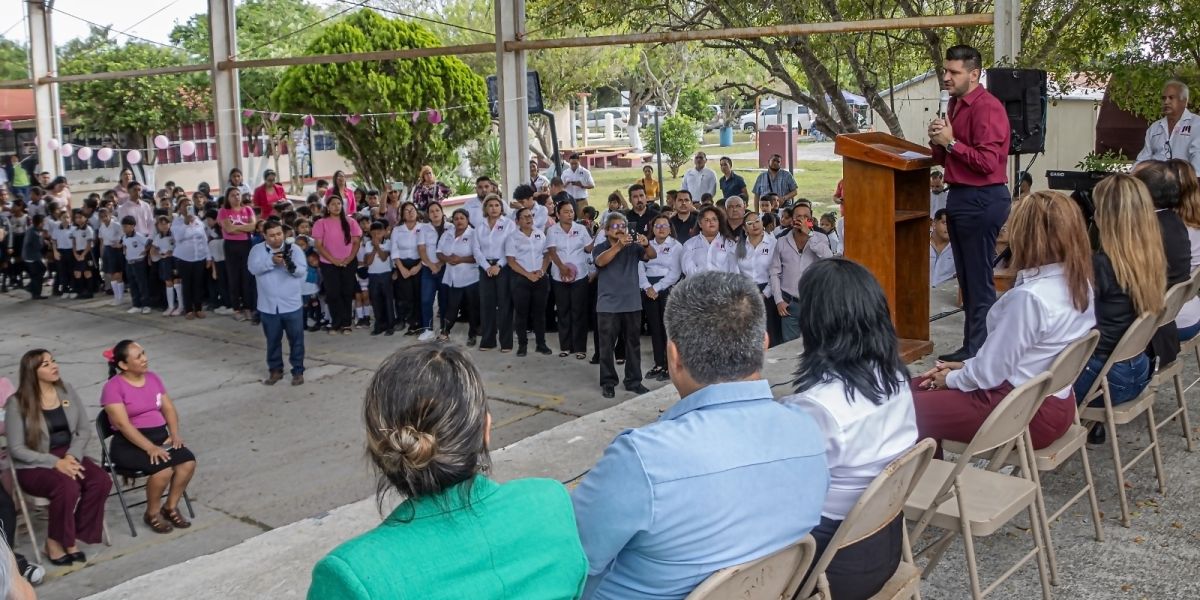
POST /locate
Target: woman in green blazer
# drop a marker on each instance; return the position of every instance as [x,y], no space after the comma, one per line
[459,534]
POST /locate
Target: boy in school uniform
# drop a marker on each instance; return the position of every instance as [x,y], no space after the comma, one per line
[112,260]
[60,234]
[83,262]
[136,273]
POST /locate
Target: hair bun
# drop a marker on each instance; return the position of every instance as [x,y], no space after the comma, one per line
[416,448]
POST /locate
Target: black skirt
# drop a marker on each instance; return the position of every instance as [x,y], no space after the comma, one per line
[125,455]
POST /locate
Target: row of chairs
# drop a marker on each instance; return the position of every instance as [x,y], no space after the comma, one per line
[973,502]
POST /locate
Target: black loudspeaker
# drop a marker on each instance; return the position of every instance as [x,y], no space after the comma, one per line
[533,94]
[1024,96]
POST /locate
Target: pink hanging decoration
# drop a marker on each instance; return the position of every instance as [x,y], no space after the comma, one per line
[134,157]
[84,153]
[309,121]
[67,150]
[8,125]
[248,113]
[162,142]
[104,154]
[187,148]
[415,116]
[52,143]
[435,117]
[274,116]
[354,120]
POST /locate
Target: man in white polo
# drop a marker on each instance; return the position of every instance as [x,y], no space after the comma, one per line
[1177,134]
[700,181]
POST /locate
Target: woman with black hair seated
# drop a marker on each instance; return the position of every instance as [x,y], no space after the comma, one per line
[146,434]
[851,380]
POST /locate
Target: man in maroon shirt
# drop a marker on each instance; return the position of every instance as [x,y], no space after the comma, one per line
[972,144]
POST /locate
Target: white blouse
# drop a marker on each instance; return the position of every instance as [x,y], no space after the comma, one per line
[461,275]
[529,250]
[757,263]
[490,239]
[1028,327]
[861,439]
[571,247]
[404,242]
[666,264]
[700,255]
[429,240]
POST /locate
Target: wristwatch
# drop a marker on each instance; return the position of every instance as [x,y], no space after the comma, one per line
[950,146]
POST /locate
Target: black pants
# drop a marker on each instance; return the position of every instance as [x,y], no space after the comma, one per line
[37,272]
[241,283]
[610,327]
[529,304]
[218,287]
[137,277]
[859,570]
[495,307]
[975,215]
[458,298]
[572,301]
[340,286]
[653,311]
[774,323]
[379,288]
[62,272]
[406,295]
[192,276]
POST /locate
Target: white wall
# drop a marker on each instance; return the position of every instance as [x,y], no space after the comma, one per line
[1070,126]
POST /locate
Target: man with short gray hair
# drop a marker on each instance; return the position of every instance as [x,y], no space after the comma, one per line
[725,476]
[619,302]
[1177,134]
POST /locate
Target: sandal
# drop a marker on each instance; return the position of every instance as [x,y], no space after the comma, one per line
[580,355]
[175,518]
[156,525]
[563,354]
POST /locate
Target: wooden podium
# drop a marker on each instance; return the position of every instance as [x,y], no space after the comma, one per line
[885,182]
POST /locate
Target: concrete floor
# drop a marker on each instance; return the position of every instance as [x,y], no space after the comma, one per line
[267,456]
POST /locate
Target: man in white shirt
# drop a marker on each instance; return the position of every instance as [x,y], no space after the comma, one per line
[700,181]
[941,259]
[537,181]
[937,192]
[1177,134]
[578,181]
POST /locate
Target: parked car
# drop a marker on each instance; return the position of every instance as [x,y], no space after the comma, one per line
[620,116]
[769,115]
[714,117]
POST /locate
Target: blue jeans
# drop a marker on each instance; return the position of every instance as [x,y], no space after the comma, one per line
[274,326]
[1125,379]
[1187,333]
[431,285]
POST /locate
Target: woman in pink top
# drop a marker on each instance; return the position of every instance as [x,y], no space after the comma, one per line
[341,190]
[237,222]
[337,239]
[146,437]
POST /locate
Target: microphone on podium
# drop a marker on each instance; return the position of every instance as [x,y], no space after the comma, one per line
[944,104]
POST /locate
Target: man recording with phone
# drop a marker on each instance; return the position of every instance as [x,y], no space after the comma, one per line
[279,269]
[619,302]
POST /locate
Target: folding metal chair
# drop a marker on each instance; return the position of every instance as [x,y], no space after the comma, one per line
[876,508]
[1131,345]
[772,577]
[972,502]
[1176,296]
[103,432]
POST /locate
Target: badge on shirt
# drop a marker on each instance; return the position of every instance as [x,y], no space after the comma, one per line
[1186,129]
[158,399]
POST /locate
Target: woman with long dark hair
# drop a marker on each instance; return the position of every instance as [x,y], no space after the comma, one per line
[237,180]
[406,257]
[1049,307]
[851,380]
[431,275]
[337,238]
[427,430]
[656,278]
[146,434]
[713,249]
[48,430]
[237,222]
[341,190]
[525,250]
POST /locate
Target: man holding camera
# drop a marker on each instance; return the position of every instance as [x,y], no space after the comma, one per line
[619,302]
[279,270]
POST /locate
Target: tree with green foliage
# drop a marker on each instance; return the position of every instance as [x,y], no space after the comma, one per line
[261,29]
[694,102]
[132,110]
[14,60]
[679,142]
[386,148]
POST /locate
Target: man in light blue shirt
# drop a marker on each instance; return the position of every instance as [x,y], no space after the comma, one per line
[725,476]
[280,300]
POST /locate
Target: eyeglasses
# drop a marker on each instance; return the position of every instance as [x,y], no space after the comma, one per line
[617,226]
[662,226]
[754,222]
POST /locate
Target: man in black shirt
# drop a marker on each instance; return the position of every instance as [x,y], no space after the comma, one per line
[642,213]
[731,183]
[684,224]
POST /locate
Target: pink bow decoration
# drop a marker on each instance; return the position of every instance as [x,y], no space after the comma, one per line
[309,121]
[247,113]
[435,117]
[354,119]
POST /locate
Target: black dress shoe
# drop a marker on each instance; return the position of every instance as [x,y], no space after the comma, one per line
[471,341]
[390,332]
[376,331]
[959,355]
[605,390]
[61,561]
[78,557]
[595,360]
[521,351]
[654,373]
[544,349]
[638,389]
[1097,435]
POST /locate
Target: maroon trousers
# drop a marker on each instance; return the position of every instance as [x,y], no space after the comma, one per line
[76,505]
[946,414]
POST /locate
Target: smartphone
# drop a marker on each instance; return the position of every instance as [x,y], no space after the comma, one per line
[191,210]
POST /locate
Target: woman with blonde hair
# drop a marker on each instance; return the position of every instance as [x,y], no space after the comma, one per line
[428,189]
[1188,320]
[457,533]
[1130,275]
[1049,307]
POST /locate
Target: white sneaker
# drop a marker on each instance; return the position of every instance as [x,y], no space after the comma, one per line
[34,573]
[178,311]
[145,310]
[426,335]
[133,311]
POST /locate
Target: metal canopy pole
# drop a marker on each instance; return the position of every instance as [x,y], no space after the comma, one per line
[44,63]
[512,93]
[227,112]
